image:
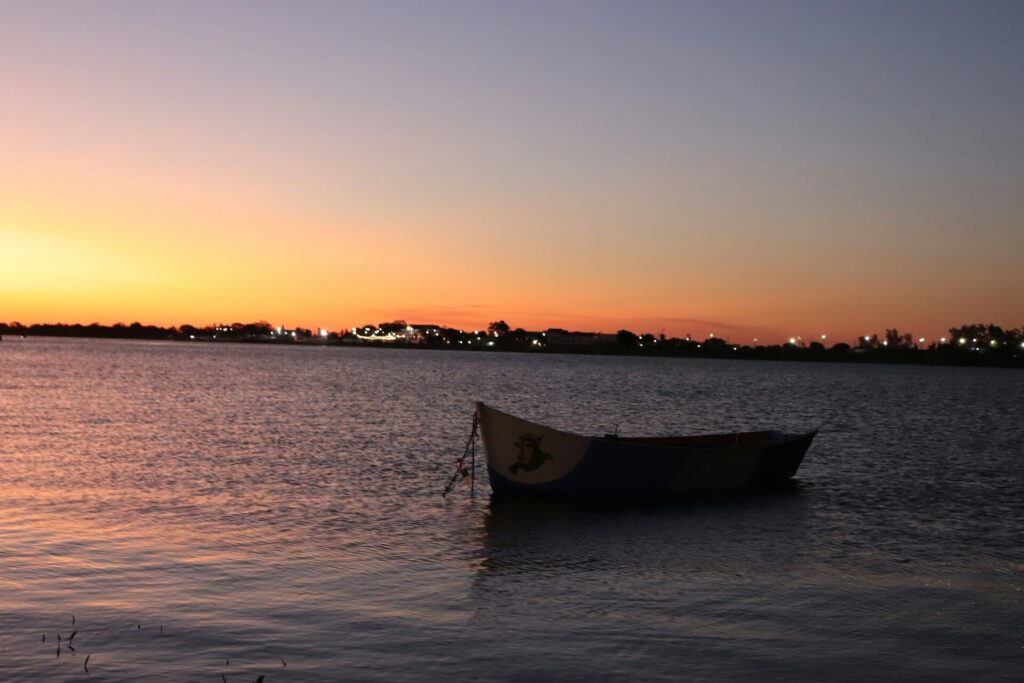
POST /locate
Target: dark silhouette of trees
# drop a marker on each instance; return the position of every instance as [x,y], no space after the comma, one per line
[869,343]
[988,337]
[626,339]
[497,329]
[894,339]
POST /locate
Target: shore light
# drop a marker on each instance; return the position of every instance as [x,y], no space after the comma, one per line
[921,340]
[824,337]
[943,340]
[963,340]
[792,340]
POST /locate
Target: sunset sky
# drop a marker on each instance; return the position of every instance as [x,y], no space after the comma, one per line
[744,168]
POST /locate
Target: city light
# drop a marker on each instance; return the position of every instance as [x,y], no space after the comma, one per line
[792,340]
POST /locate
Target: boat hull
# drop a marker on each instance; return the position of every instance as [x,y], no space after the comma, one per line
[525,457]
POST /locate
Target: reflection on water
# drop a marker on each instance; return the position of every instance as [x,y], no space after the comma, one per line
[203,510]
[683,536]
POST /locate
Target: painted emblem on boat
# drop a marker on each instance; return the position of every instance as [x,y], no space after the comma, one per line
[530,455]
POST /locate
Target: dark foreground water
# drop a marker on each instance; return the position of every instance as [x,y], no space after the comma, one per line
[221,509]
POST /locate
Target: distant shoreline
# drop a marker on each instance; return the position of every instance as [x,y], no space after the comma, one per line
[884,356]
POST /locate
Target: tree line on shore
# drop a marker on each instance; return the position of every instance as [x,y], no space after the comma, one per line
[971,344]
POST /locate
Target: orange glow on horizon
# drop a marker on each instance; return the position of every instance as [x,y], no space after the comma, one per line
[204,260]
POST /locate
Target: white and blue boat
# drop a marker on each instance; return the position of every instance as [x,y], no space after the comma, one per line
[526,457]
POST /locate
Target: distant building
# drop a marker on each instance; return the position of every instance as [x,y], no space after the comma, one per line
[561,339]
[423,334]
[374,334]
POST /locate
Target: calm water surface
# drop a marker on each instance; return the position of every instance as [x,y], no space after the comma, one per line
[215,509]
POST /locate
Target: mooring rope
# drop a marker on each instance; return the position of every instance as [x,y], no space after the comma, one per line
[460,466]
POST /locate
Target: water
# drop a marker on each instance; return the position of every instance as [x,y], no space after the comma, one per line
[215,509]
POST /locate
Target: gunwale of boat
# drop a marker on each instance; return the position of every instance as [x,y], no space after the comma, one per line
[725,440]
[761,438]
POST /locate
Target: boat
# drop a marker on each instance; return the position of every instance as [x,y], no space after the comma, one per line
[526,457]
